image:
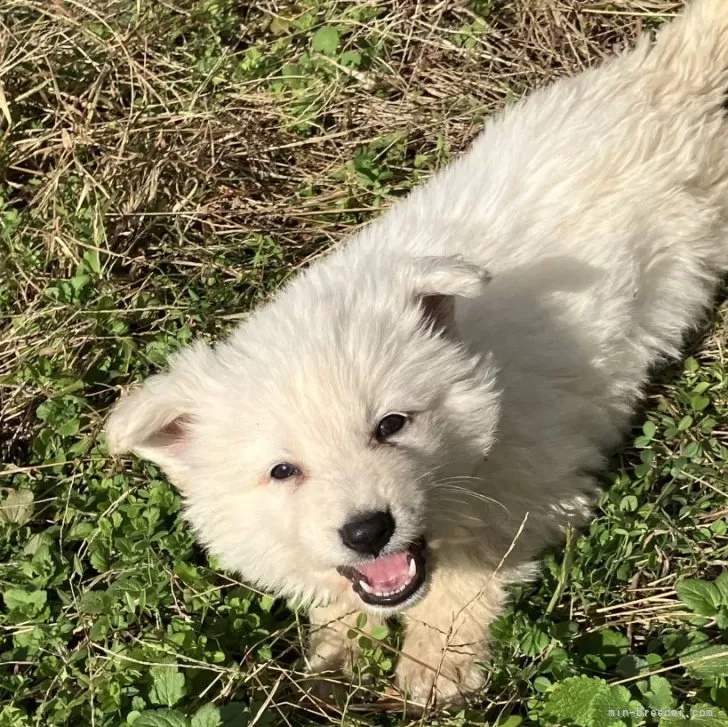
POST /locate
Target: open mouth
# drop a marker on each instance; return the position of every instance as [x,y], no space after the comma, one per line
[389,580]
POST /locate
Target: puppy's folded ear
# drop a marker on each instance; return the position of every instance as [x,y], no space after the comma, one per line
[439,280]
[155,420]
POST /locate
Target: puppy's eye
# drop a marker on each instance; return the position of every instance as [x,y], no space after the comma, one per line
[284,471]
[390,425]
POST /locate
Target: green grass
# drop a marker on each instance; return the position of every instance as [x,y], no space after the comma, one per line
[166,165]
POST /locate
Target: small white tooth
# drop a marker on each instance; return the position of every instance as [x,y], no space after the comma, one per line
[412,567]
[380,594]
[366,587]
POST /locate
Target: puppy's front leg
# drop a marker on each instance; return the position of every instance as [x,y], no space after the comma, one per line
[331,653]
[446,638]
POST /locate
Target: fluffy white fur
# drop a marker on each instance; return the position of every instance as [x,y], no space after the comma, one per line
[599,206]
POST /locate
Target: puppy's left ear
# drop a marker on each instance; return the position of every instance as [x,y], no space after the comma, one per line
[155,420]
[437,283]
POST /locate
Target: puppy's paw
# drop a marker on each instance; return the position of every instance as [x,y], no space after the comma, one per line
[337,688]
[434,681]
[331,687]
[331,665]
[333,674]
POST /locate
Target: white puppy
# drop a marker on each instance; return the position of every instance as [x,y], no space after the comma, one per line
[407,424]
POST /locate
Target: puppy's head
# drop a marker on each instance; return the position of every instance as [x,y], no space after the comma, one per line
[309,444]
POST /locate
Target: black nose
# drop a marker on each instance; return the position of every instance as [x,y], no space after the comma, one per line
[369,532]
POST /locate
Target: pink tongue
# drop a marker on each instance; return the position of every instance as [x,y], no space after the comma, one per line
[387,573]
